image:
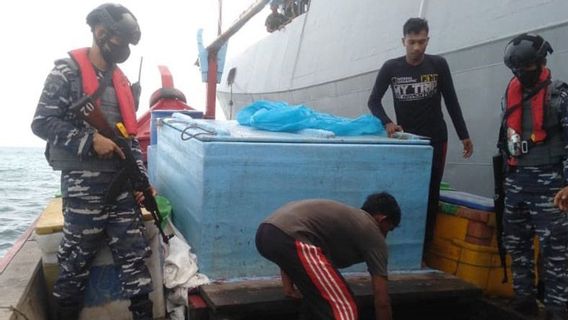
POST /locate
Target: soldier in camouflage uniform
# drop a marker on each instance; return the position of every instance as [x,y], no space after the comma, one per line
[89,161]
[536,124]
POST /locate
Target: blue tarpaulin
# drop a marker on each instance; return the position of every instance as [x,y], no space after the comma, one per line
[279,116]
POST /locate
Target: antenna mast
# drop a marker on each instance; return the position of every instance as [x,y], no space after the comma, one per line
[220,21]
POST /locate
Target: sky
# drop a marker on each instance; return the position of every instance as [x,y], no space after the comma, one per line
[35,33]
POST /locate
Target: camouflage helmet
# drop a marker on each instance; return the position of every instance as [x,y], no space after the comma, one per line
[118,20]
[526,49]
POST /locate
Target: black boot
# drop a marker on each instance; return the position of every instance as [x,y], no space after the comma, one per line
[141,307]
[67,311]
[526,306]
[556,313]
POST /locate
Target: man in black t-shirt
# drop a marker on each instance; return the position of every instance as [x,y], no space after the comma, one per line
[418,81]
[310,239]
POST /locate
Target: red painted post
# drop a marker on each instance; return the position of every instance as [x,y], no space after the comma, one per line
[167,79]
[214,47]
[211,85]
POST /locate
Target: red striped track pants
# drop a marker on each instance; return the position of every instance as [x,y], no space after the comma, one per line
[324,289]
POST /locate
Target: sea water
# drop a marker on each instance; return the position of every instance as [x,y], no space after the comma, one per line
[27,183]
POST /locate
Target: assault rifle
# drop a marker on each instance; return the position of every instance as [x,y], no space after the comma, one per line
[499,162]
[87,110]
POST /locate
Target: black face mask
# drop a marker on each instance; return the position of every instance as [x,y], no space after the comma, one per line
[528,78]
[113,53]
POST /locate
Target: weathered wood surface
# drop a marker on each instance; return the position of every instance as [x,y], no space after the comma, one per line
[267,295]
[23,293]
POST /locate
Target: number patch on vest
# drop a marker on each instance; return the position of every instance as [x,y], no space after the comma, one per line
[87,108]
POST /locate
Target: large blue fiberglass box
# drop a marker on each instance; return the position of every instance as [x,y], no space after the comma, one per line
[224,179]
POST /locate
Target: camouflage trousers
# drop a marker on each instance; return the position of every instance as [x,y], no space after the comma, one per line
[529,211]
[87,227]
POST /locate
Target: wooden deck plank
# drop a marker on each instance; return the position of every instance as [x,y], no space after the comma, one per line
[22,285]
[13,251]
[51,219]
[268,295]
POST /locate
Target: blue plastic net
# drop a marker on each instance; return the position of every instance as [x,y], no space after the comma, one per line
[279,116]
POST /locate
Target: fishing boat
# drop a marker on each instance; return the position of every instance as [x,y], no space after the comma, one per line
[222,179]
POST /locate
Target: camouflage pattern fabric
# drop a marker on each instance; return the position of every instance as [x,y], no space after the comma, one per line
[88,224]
[52,120]
[529,211]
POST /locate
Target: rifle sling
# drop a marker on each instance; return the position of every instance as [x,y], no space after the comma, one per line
[103,83]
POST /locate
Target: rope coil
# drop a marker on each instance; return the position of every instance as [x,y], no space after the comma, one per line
[185,135]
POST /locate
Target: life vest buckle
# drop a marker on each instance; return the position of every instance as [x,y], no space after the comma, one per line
[524,146]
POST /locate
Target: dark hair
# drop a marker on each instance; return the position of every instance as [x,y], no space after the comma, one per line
[415,25]
[383,203]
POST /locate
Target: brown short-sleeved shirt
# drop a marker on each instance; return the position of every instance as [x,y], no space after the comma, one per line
[346,235]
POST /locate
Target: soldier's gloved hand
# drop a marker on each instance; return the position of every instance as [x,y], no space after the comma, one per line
[561,199]
[106,148]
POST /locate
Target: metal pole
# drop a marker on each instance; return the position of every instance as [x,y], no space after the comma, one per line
[421,9]
[244,18]
[214,47]
[220,21]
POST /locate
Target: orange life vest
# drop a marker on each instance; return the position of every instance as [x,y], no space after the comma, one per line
[538,101]
[121,85]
